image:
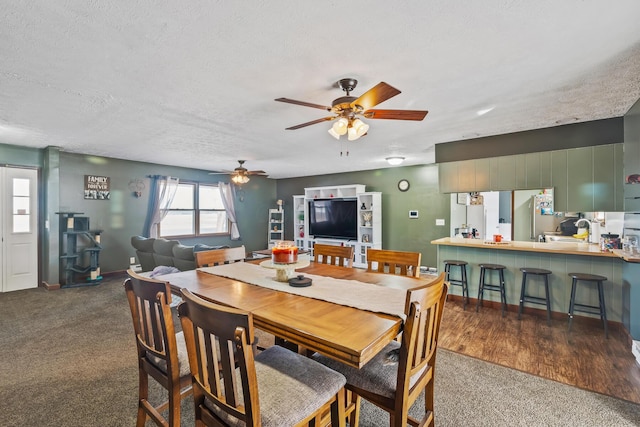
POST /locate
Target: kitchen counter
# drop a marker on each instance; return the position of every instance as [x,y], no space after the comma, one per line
[568,248]
[561,258]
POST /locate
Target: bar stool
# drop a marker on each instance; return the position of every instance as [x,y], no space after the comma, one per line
[524,297]
[484,268]
[462,281]
[584,308]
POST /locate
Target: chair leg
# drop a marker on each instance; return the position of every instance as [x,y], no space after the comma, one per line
[338,408]
[572,302]
[143,395]
[522,293]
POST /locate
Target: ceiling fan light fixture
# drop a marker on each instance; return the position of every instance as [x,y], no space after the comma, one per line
[360,127]
[333,133]
[352,134]
[340,126]
[395,160]
[240,179]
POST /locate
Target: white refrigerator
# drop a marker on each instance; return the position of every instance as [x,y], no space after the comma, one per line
[477,218]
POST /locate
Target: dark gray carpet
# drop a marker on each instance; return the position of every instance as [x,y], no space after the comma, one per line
[68,359]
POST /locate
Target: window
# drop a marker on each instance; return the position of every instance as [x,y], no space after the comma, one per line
[196,210]
[21,206]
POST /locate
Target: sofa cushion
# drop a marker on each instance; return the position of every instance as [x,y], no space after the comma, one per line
[183,257]
[144,252]
[163,251]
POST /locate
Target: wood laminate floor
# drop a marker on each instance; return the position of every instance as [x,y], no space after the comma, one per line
[582,358]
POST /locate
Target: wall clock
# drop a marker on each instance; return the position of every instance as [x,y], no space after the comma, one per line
[403,185]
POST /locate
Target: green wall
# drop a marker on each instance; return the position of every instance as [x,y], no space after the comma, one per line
[123,215]
[398,231]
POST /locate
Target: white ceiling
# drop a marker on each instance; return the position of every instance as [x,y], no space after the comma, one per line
[192,83]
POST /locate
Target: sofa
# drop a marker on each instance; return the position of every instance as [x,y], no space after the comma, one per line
[152,253]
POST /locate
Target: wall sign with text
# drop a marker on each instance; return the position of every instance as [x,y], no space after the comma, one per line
[97,187]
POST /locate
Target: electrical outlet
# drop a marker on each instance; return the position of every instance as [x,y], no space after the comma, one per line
[132,260]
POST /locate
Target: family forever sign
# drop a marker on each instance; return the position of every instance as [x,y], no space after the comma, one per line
[97,187]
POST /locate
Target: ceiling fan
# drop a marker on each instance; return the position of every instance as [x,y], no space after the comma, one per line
[240,175]
[347,110]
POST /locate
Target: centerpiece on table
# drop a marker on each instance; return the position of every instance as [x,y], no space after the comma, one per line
[284,252]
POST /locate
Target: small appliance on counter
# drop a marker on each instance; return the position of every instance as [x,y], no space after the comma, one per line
[568,226]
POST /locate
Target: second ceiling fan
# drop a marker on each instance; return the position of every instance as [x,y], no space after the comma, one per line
[240,175]
[347,110]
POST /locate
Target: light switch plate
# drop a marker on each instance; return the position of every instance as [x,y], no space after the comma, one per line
[439,221]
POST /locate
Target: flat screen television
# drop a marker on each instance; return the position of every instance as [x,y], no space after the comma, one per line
[333,218]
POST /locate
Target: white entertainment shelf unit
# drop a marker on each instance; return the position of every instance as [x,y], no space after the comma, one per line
[369,221]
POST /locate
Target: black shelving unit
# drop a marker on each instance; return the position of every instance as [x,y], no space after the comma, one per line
[79,251]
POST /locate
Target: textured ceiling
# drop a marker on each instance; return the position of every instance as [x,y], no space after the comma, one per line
[192,83]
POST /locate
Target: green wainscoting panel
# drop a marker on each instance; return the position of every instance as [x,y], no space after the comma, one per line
[560,283]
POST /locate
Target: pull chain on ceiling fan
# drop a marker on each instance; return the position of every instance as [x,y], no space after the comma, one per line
[348,109]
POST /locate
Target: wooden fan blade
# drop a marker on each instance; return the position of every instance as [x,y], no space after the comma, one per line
[324,119]
[395,114]
[256,173]
[222,173]
[374,96]
[304,104]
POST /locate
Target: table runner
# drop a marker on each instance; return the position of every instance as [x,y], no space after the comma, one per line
[351,293]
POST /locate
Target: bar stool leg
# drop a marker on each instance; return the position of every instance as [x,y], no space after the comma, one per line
[465,287]
[503,294]
[603,311]
[522,292]
[572,301]
[480,288]
[546,291]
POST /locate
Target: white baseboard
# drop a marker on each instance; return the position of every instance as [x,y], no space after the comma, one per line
[635,349]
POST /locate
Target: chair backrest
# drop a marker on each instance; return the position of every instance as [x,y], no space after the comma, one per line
[219,339]
[149,301]
[334,255]
[394,262]
[220,256]
[420,337]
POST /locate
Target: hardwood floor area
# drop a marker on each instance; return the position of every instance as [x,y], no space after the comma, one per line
[582,358]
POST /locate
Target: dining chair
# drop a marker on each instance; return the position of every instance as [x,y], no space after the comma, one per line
[233,386]
[333,254]
[394,262]
[396,376]
[220,256]
[161,351]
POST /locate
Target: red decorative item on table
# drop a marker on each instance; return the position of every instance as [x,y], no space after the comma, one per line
[284,252]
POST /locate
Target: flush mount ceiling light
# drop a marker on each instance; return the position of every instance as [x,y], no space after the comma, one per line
[395,160]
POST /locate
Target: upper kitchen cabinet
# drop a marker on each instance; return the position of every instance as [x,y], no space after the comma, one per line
[559,180]
[538,170]
[448,177]
[608,178]
[580,179]
[588,179]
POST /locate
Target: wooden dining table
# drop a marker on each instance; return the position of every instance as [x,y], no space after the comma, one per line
[347,334]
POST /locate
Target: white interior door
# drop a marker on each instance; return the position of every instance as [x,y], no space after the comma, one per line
[19,222]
